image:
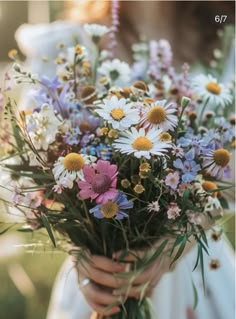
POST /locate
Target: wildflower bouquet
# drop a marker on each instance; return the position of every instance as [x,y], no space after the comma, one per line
[116,158]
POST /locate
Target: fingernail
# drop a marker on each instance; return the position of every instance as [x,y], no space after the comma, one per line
[119,267]
[115,292]
[116,309]
[116,255]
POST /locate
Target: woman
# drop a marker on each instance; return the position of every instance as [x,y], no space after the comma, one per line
[170,289]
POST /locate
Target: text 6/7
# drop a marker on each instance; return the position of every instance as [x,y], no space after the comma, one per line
[220,18]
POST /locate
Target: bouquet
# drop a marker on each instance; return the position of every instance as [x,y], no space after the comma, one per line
[116,157]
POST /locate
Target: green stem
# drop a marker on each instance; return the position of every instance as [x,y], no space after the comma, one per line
[202,111]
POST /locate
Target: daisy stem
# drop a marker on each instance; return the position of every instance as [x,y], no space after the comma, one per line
[95,64]
[202,111]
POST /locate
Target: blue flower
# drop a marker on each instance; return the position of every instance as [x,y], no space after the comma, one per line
[189,169]
[103,152]
[196,142]
[72,137]
[89,150]
[113,208]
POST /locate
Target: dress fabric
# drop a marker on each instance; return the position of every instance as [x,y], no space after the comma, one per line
[171,297]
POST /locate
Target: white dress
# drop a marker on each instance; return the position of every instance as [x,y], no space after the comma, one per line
[174,294]
[171,297]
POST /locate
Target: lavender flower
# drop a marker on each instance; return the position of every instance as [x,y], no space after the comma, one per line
[188,167]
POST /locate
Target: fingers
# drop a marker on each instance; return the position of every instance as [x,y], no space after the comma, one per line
[100,277]
[98,298]
[131,256]
[106,264]
[100,309]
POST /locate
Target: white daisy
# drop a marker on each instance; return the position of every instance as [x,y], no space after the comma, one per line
[118,72]
[96,31]
[142,143]
[206,87]
[216,161]
[70,168]
[160,115]
[119,114]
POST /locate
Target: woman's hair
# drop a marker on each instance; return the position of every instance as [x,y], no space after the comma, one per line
[190,26]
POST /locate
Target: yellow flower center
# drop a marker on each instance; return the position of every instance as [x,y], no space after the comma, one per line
[73,162]
[109,209]
[79,50]
[145,167]
[139,189]
[142,143]
[117,114]
[213,88]
[209,186]
[157,115]
[221,157]
[165,137]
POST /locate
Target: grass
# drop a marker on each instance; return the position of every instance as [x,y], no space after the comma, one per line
[32,301]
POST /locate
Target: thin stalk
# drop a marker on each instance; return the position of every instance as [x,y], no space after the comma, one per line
[202,111]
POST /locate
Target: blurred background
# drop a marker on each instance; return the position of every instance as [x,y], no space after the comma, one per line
[27,272]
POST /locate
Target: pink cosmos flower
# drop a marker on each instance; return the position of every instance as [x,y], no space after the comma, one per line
[100,182]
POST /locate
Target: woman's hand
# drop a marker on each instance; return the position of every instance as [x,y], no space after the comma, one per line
[107,285]
[101,273]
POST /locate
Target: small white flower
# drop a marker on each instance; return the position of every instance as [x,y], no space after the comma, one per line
[207,87]
[195,218]
[118,113]
[160,115]
[213,204]
[173,211]
[96,31]
[142,143]
[71,54]
[118,72]
[42,127]
[153,207]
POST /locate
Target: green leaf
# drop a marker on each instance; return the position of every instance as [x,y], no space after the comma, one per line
[201,257]
[180,250]
[223,203]
[195,294]
[220,188]
[197,260]
[6,229]
[185,196]
[157,252]
[48,228]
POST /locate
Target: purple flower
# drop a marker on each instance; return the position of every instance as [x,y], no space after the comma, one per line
[172,180]
[196,142]
[113,208]
[189,169]
[103,152]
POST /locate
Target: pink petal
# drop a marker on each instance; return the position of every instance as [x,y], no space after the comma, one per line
[111,194]
[112,170]
[103,166]
[114,182]
[83,184]
[84,194]
[89,173]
